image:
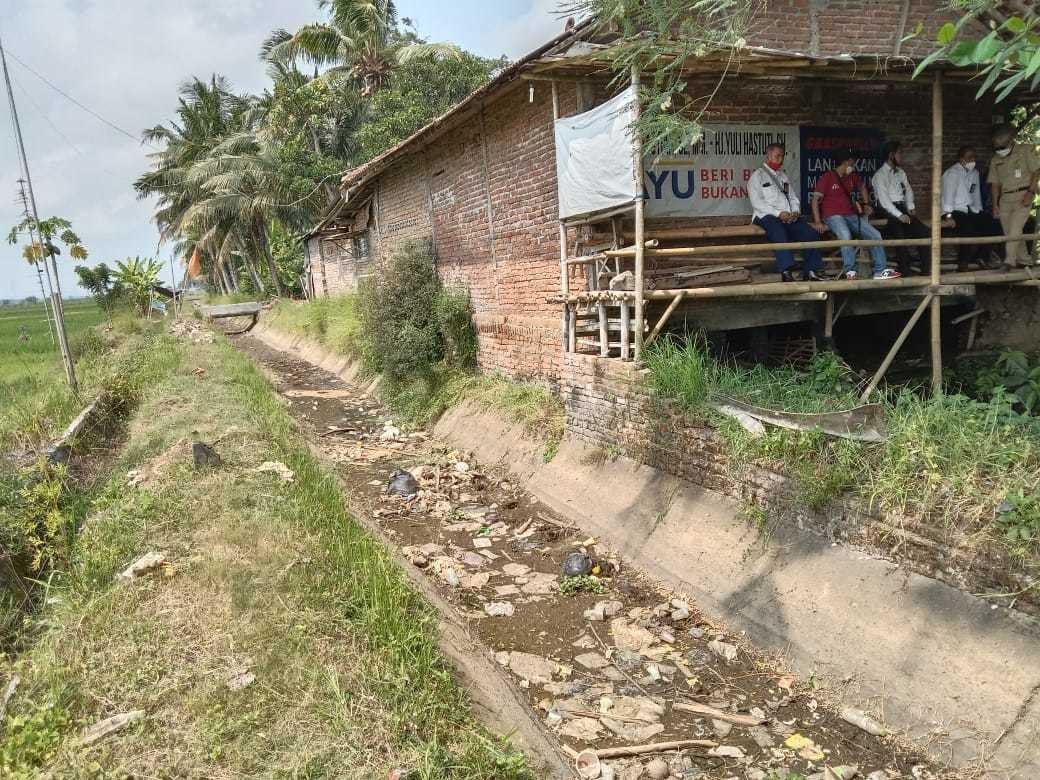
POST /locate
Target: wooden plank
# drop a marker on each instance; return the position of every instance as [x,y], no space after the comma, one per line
[231,310]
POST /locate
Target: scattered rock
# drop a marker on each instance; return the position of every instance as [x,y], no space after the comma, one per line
[632,732]
[602,610]
[582,729]
[276,467]
[532,668]
[658,769]
[499,609]
[103,728]
[680,613]
[540,583]
[472,559]
[204,456]
[762,737]
[475,581]
[721,728]
[628,636]
[402,484]
[577,564]
[482,542]
[591,660]
[143,565]
[462,467]
[515,569]
[723,650]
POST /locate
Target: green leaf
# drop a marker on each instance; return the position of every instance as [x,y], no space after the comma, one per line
[935,55]
[962,53]
[988,48]
[946,34]
[1034,64]
[1016,25]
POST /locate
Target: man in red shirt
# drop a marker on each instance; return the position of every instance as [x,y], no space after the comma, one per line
[841,204]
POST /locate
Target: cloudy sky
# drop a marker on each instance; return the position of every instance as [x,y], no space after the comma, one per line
[125,60]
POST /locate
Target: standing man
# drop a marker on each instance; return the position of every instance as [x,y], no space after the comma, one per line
[1013,174]
[962,201]
[841,198]
[777,210]
[896,197]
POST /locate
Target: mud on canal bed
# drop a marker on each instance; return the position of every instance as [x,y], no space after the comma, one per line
[620,662]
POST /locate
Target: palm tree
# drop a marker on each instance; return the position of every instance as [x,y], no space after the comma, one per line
[361,43]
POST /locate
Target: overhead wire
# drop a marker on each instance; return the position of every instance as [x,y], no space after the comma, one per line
[67,96]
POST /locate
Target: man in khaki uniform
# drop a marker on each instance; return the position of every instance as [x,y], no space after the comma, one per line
[1013,173]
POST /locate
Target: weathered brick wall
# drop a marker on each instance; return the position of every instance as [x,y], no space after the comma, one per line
[610,407]
[401,208]
[832,27]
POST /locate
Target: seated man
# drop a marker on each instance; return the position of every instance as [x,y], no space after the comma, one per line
[777,210]
[962,201]
[896,198]
[841,198]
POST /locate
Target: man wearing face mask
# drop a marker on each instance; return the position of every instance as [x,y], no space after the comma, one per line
[896,197]
[1013,174]
[962,201]
[777,210]
[841,203]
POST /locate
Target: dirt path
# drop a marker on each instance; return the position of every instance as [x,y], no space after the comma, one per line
[618,663]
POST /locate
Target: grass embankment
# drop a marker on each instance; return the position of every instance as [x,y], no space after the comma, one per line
[951,457]
[418,400]
[266,576]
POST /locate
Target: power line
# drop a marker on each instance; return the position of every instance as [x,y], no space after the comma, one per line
[92,112]
[47,119]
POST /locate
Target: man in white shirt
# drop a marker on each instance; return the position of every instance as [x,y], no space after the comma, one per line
[962,201]
[777,210]
[896,198]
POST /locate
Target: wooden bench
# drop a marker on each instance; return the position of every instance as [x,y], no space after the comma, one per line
[250,309]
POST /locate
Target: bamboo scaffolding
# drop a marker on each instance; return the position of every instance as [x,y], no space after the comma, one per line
[835,244]
[782,289]
[927,301]
[640,219]
[664,318]
[936,313]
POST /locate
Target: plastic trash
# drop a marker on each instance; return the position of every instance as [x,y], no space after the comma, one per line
[402,484]
[577,564]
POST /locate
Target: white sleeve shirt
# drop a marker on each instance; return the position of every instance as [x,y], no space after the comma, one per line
[960,190]
[771,193]
[892,186]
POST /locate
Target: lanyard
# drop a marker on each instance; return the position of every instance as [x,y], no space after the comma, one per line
[784,188]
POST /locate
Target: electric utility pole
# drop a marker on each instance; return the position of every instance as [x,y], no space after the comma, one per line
[49,263]
[24,200]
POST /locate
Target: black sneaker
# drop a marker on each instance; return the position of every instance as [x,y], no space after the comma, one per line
[786,276]
[812,276]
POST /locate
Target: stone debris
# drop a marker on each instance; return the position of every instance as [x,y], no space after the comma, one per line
[146,564]
[240,679]
[111,725]
[614,672]
[499,609]
[723,650]
[861,720]
[532,668]
[628,636]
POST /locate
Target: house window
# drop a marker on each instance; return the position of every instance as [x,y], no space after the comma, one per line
[361,249]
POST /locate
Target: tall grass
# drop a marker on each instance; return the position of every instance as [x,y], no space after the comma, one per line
[333,322]
[948,457]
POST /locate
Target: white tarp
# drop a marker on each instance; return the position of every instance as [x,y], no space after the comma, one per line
[710,179]
[594,158]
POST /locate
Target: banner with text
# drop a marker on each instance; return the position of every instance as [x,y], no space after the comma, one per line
[821,144]
[710,179]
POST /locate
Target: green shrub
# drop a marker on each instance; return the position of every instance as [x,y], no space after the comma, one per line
[398,314]
[455,321]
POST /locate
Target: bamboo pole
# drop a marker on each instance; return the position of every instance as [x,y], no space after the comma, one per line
[790,289]
[630,251]
[626,332]
[664,318]
[604,334]
[565,333]
[828,318]
[937,141]
[900,340]
[640,216]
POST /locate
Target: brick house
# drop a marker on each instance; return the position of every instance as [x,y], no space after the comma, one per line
[481,181]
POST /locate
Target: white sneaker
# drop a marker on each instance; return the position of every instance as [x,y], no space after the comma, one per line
[850,275]
[888,273]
